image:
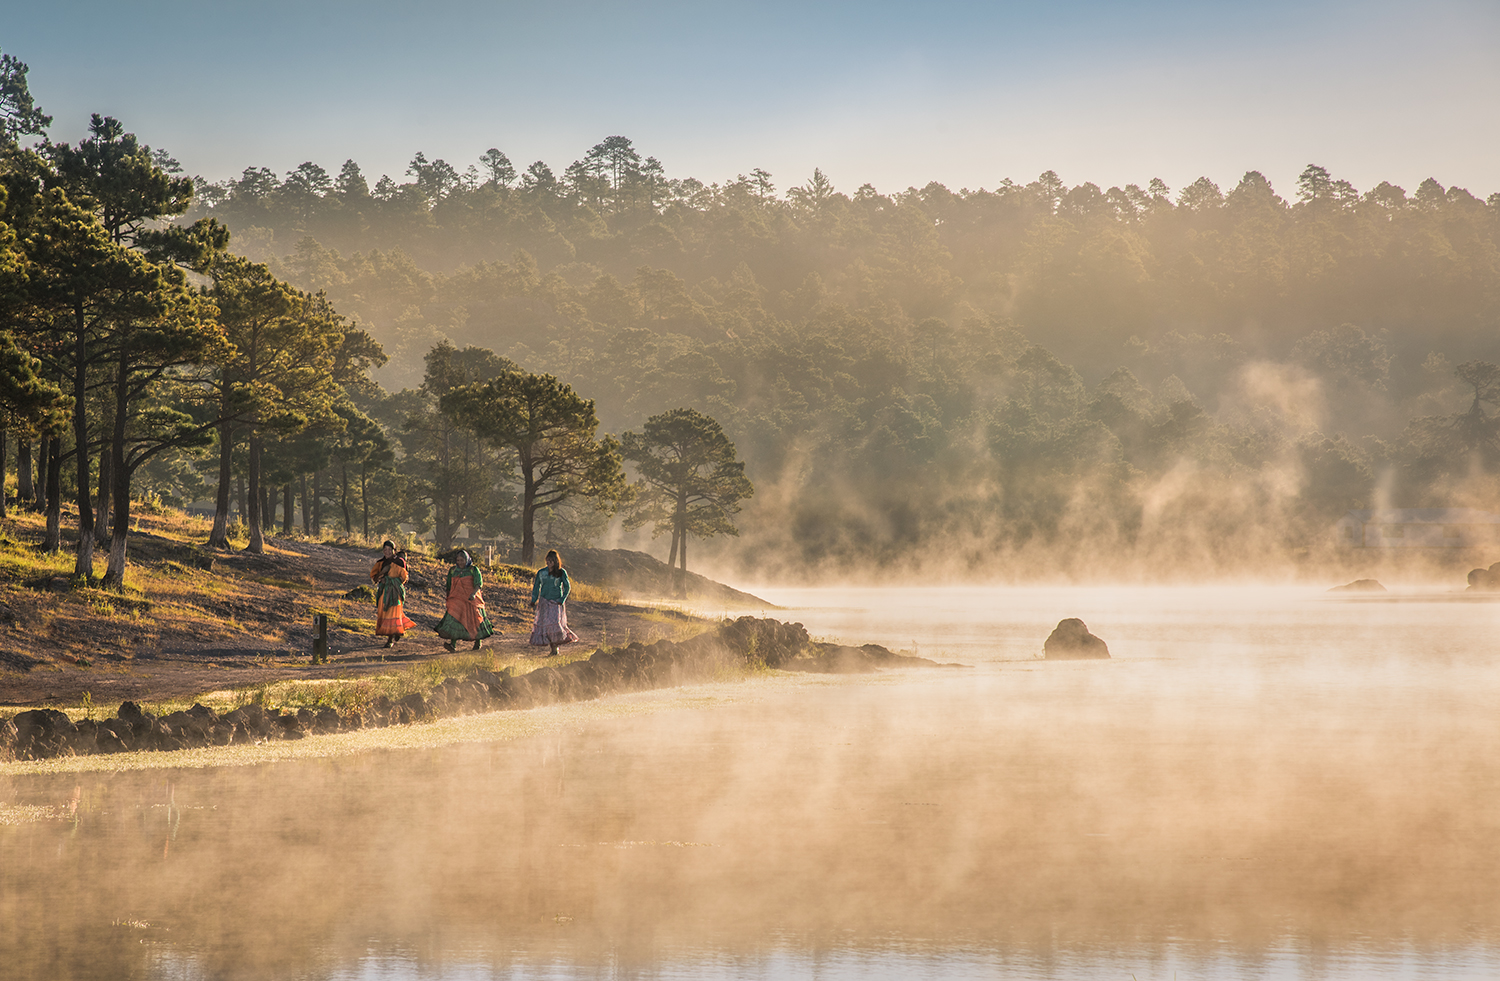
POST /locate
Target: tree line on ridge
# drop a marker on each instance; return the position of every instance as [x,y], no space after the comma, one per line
[1031,377]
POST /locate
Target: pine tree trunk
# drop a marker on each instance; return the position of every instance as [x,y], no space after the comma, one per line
[106,481]
[107,452]
[364,498]
[288,505]
[680,521]
[114,572]
[4,440]
[83,562]
[39,485]
[257,544]
[343,495]
[43,467]
[114,576]
[317,520]
[443,529]
[528,512]
[53,541]
[219,537]
[25,485]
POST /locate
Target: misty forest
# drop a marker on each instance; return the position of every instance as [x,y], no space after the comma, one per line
[1034,378]
[676,558]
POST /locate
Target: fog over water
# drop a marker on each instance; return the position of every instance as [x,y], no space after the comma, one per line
[1217,624]
[1261,783]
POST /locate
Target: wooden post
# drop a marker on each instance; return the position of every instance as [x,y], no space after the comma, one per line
[320,643]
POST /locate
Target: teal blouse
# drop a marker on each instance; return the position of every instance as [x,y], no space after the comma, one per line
[548,586]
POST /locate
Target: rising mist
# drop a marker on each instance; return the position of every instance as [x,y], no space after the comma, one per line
[1034,380]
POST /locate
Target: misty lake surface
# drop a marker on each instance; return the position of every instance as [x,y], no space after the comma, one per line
[982,625]
[1264,782]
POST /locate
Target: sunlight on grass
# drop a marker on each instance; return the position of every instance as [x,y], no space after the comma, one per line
[585,593]
[24,561]
[347,695]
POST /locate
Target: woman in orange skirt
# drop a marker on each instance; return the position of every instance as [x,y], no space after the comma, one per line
[389,577]
[466,618]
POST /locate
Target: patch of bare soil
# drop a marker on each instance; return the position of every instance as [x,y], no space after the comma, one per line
[207,621]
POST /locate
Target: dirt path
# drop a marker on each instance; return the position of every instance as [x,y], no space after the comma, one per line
[249,621]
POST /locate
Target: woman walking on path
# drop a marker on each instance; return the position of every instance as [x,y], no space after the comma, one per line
[466,618]
[549,591]
[389,576]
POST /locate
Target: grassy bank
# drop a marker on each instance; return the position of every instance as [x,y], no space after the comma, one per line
[227,629]
[732,650]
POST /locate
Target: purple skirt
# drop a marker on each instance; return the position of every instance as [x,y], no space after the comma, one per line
[551,625]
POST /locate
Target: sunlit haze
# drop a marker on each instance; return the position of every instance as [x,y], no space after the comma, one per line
[749,492]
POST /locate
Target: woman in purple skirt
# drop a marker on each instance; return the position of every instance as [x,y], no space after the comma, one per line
[549,591]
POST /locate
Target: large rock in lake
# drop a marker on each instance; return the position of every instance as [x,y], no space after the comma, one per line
[1071,640]
[1359,586]
[1485,580]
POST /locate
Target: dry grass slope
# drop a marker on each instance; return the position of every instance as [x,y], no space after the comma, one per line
[229,629]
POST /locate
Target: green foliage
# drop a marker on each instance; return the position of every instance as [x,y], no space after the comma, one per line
[19,115]
[552,432]
[690,482]
[277,376]
[29,401]
[443,454]
[119,179]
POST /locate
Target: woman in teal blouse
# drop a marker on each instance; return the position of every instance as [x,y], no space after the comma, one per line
[549,593]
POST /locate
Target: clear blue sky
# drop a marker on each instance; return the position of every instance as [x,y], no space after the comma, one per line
[886,93]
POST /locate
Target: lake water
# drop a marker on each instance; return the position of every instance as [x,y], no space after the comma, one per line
[1253,624]
[1262,783]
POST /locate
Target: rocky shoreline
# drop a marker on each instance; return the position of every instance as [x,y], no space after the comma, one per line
[745,642]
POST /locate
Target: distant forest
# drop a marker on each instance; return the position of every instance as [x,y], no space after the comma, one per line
[1033,378]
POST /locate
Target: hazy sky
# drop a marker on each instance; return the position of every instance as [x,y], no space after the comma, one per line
[886,93]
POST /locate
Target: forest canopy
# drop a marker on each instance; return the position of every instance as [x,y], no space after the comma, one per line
[1069,377]
[1034,378]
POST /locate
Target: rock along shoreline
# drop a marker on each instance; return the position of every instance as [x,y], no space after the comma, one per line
[745,642]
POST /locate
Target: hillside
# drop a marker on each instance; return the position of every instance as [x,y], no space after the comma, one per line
[195,621]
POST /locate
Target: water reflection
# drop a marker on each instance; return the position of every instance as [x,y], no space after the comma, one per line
[1264,812]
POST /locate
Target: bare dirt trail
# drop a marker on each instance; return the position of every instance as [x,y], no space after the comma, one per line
[248,620]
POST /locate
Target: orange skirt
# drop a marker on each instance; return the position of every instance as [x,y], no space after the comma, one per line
[392,621]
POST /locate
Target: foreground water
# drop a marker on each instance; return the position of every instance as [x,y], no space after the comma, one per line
[1263,783]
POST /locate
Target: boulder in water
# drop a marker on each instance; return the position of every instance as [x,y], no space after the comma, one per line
[1071,640]
[1359,586]
[1485,580]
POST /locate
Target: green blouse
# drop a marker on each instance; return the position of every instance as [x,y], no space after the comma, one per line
[548,586]
[470,571]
